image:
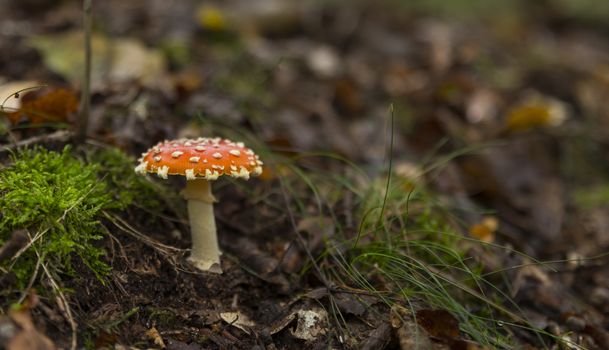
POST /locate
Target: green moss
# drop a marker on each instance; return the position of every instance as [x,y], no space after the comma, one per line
[126,186]
[56,198]
[59,199]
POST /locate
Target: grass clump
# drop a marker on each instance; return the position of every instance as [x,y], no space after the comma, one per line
[409,252]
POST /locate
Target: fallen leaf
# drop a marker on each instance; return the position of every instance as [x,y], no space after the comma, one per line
[485,229]
[116,60]
[410,335]
[62,53]
[211,18]
[52,105]
[131,60]
[536,111]
[173,344]
[155,336]
[439,324]
[481,106]
[11,94]
[238,320]
[530,275]
[25,336]
[324,61]
[378,338]
[311,324]
[349,303]
[278,325]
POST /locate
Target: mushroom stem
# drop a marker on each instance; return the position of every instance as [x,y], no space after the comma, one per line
[205,254]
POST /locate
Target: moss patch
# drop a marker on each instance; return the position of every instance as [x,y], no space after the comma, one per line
[58,199]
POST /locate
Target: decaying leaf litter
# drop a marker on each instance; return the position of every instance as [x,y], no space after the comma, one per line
[430,179]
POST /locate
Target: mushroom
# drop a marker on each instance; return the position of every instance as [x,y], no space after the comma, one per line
[201,160]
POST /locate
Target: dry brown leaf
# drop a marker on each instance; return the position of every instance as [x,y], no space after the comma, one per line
[54,105]
[27,337]
[440,324]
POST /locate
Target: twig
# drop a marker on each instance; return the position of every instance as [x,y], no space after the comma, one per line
[57,136]
[66,306]
[85,99]
[168,252]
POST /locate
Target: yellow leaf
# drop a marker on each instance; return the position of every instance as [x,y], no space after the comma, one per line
[485,229]
[211,18]
[537,111]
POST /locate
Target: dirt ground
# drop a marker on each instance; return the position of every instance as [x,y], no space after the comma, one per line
[499,113]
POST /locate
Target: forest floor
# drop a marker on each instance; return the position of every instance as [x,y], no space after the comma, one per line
[433,177]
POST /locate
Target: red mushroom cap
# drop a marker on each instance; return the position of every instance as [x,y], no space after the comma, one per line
[201,158]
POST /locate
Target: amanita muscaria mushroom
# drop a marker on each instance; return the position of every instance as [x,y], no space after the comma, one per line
[201,160]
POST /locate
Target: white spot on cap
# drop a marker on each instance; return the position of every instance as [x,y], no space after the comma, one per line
[163,171]
[176,154]
[240,144]
[157,158]
[217,155]
[194,159]
[211,175]
[190,174]
[199,148]
[187,143]
[204,160]
[141,168]
[235,152]
[257,171]
[244,173]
